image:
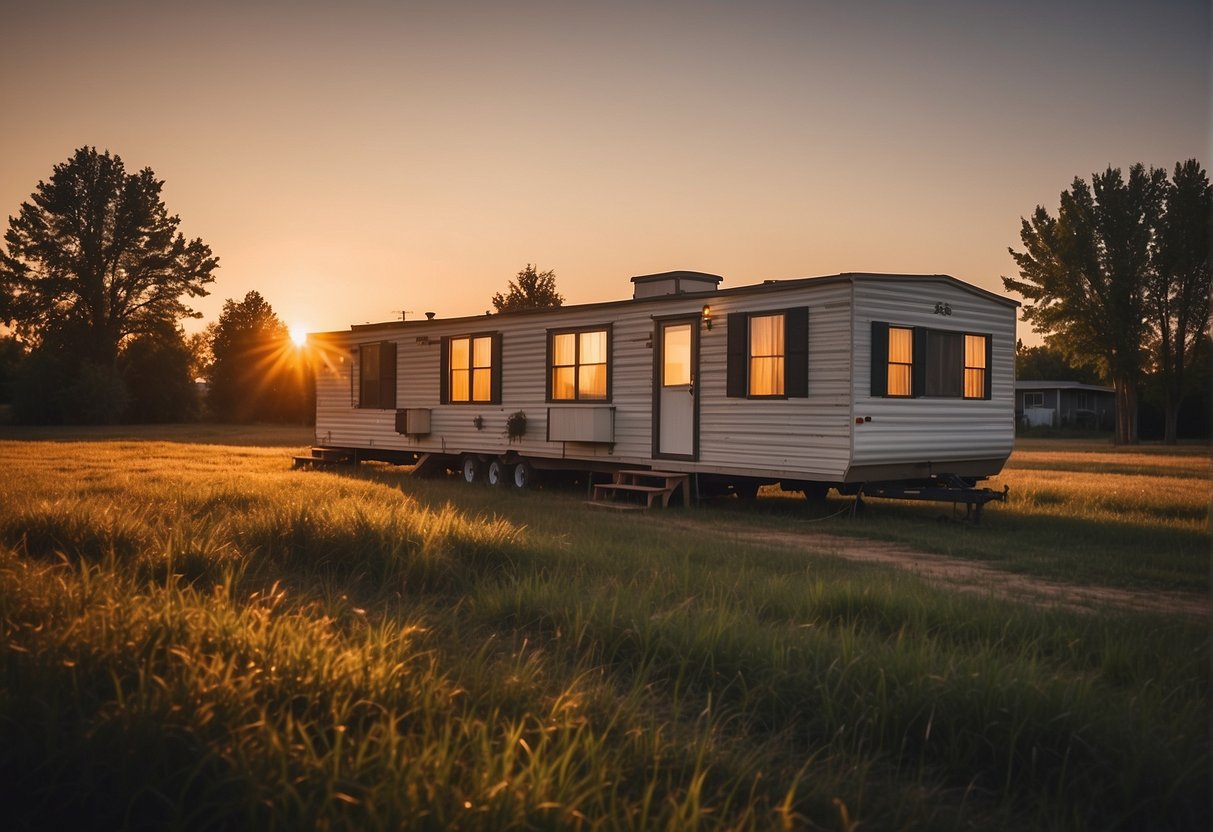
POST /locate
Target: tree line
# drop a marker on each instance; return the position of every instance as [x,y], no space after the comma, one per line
[95,279]
[94,282]
[1120,278]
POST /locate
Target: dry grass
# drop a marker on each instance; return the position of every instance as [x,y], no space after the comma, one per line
[196,636]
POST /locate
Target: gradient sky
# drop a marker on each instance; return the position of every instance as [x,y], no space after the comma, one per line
[353,160]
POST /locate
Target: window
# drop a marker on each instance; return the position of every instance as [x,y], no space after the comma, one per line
[471,369]
[579,365]
[768,354]
[934,363]
[900,362]
[1034,399]
[676,355]
[975,366]
[377,376]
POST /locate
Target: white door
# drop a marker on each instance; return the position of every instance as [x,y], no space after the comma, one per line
[675,382]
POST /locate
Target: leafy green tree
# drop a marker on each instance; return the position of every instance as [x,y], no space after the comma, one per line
[256,372]
[529,290]
[1085,273]
[1177,295]
[96,253]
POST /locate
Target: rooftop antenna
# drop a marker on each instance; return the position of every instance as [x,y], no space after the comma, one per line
[403,313]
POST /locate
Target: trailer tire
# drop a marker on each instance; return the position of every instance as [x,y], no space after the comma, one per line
[471,468]
[523,475]
[497,472]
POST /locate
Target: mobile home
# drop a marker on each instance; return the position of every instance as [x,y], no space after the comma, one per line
[843,381]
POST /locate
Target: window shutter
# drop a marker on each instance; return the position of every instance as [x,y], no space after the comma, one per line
[495,372]
[738,355]
[880,358]
[387,375]
[989,367]
[918,372]
[796,352]
[547,371]
[444,370]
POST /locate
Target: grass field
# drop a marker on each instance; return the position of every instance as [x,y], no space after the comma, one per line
[193,635]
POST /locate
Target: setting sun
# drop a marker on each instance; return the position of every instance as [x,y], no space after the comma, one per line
[298,334]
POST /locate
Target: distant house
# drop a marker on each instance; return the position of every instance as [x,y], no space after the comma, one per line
[1064,404]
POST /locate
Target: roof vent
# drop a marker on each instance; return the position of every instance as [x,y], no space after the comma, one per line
[673,283]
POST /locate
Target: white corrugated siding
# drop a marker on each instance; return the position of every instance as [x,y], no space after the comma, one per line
[933,430]
[805,438]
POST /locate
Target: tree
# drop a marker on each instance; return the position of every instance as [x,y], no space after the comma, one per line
[531,290]
[156,370]
[1177,295]
[96,254]
[12,353]
[1087,270]
[1044,363]
[256,372]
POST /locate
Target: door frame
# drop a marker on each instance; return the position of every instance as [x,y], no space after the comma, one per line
[659,323]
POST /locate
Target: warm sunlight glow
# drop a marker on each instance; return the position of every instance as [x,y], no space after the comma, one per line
[299,334]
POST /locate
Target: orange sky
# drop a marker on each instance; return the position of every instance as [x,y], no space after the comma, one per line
[353,160]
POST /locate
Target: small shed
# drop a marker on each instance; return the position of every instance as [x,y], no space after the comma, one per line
[1064,404]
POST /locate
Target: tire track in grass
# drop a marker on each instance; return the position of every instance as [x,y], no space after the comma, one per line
[967,575]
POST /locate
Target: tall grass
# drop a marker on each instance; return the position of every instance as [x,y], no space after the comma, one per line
[202,638]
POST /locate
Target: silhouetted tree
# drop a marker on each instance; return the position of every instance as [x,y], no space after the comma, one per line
[156,370]
[96,252]
[12,353]
[1086,272]
[256,372]
[1178,291]
[529,290]
[1044,363]
[93,260]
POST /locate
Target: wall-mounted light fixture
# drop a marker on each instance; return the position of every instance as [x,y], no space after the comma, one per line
[707,315]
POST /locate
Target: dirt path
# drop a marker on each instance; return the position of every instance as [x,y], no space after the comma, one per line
[972,576]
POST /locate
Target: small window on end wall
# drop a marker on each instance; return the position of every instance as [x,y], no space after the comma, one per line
[377,376]
[932,363]
[768,354]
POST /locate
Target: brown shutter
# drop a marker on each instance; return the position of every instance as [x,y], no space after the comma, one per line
[495,372]
[880,358]
[796,352]
[736,385]
[444,370]
[547,385]
[989,367]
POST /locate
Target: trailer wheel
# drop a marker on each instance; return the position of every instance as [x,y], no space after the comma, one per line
[472,469]
[497,472]
[523,475]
